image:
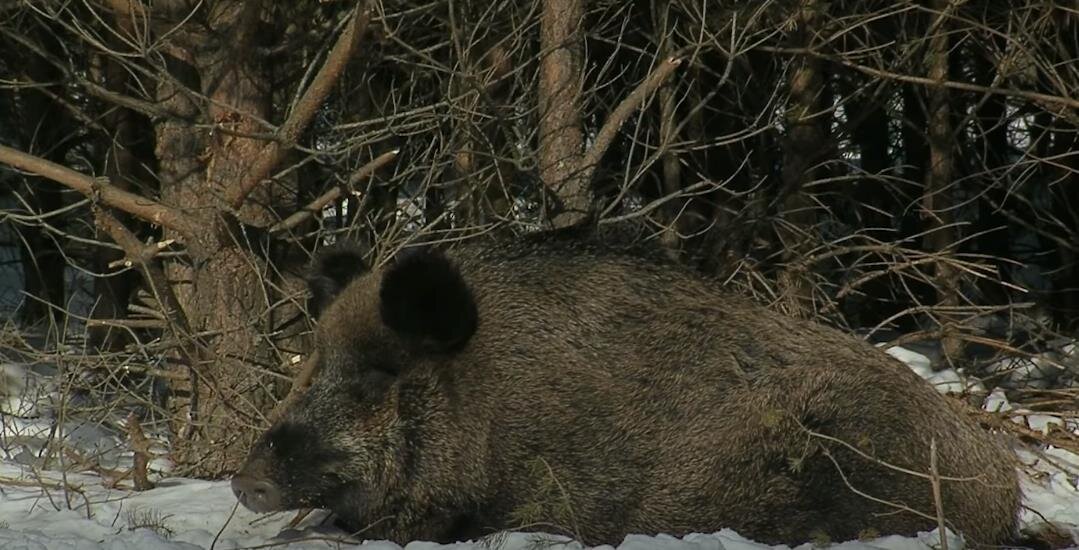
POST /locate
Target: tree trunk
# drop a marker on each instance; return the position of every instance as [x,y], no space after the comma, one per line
[561,140]
[937,204]
[995,240]
[871,134]
[222,288]
[45,131]
[43,264]
[672,166]
[1064,304]
[1064,186]
[804,147]
[466,190]
[123,169]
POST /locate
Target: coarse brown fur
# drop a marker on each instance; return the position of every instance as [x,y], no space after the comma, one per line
[598,394]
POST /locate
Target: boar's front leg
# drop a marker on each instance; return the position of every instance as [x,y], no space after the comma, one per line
[403,527]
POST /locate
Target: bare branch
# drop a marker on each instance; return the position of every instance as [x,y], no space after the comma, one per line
[622,112]
[312,99]
[136,205]
[938,499]
[332,194]
[145,107]
[1046,100]
[129,323]
[300,383]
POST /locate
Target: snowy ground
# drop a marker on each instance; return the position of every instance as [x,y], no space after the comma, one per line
[43,508]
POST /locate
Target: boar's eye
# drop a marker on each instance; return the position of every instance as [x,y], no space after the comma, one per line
[286,439]
[424,299]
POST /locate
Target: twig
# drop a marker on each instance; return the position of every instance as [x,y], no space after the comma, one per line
[46,486]
[153,310]
[300,383]
[158,283]
[332,194]
[129,323]
[884,463]
[1061,101]
[622,112]
[1065,440]
[228,520]
[111,476]
[938,500]
[299,517]
[150,109]
[863,494]
[145,254]
[646,209]
[349,538]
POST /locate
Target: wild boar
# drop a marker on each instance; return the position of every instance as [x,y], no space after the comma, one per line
[560,386]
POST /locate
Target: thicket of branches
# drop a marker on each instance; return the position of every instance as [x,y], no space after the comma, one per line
[898,166]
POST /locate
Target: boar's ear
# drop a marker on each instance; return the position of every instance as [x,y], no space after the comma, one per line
[425,299]
[333,269]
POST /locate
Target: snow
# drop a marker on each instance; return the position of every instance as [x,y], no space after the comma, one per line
[191,514]
[946,381]
[43,508]
[1040,371]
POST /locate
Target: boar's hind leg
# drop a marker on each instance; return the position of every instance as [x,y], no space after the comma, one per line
[791,484]
[777,484]
[830,432]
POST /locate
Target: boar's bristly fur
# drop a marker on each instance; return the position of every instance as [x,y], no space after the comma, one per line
[562,387]
[334,269]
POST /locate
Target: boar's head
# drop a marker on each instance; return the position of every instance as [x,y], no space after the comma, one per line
[349,442]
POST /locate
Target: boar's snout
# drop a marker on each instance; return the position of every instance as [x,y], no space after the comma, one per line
[257,495]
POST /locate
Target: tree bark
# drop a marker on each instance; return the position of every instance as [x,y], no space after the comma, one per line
[668,128]
[561,139]
[937,204]
[222,290]
[804,148]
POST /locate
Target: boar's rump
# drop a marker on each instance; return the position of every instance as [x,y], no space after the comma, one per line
[560,386]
